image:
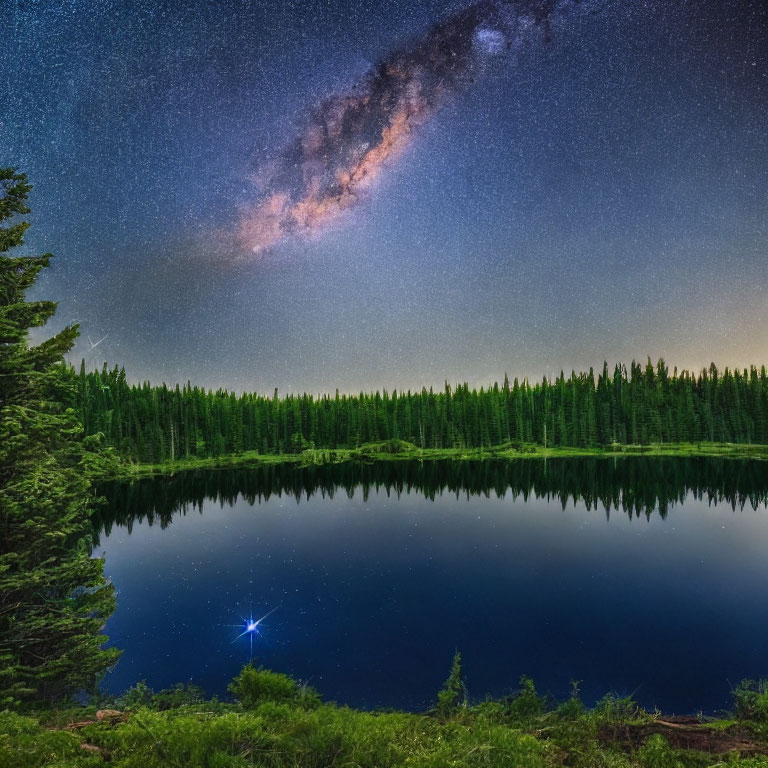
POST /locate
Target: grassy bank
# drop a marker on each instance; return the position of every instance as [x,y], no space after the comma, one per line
[275,722]
[401,451]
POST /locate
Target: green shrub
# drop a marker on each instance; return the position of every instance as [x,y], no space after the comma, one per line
[572,709]
[180,695]
[612,709]
[24,744]
[750,698]
[526,704]
[170,739]
[387,447]
[656,753]
[139,695]
[253,686]
[298,444]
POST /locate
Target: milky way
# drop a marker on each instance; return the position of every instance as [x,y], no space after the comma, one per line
[348,139]
[594,191]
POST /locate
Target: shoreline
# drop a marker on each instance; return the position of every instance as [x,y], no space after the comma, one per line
[393,451]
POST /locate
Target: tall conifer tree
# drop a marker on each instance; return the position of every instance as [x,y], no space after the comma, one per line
[53,597]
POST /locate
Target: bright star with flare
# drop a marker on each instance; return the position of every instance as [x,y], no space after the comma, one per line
[252,627]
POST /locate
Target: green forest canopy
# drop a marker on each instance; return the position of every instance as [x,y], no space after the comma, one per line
[640,405]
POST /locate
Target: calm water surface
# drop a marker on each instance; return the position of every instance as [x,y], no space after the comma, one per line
[627,577]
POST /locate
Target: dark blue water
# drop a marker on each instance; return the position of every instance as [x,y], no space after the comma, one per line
[373,595]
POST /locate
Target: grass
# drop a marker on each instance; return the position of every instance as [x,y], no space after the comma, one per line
[277,723]
[401,451]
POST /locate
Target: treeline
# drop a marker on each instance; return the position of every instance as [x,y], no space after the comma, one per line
[639,405]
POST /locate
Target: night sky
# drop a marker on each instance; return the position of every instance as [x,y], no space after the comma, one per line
[569,186]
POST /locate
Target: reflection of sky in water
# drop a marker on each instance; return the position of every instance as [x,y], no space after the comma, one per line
[375,596]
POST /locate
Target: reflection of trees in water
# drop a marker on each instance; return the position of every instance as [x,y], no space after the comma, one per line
[637,485]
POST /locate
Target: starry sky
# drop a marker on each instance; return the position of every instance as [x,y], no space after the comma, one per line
[589,182]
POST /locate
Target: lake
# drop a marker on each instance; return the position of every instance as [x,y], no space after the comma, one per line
[642,576]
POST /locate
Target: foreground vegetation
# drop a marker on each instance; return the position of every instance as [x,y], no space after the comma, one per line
[275,722]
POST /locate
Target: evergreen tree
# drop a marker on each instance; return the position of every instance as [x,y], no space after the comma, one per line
[453,693]
[53,597]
